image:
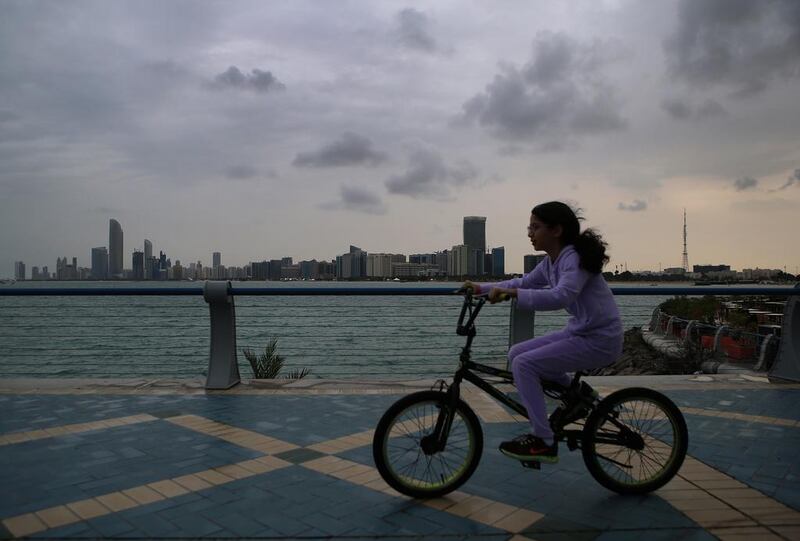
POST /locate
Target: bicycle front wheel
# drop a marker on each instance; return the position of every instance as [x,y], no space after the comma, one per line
[408,461]
[635,441]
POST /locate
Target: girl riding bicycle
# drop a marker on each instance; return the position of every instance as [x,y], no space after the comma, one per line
[593,336]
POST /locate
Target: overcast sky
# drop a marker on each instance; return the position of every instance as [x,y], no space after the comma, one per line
[268,129]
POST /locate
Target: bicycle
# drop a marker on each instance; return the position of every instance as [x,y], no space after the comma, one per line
[429,443]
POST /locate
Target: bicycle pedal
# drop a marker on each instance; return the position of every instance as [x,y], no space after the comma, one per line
[532,464]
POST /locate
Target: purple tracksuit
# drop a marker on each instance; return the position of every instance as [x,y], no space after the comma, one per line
[591,339]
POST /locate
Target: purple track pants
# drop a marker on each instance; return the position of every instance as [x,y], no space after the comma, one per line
[550,357]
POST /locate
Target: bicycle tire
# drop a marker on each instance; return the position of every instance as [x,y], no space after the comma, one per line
[400,420]
[669,432]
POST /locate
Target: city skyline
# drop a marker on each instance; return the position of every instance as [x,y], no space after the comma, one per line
[144,266]
[382,124]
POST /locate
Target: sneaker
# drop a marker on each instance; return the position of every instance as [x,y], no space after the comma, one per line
[528,447]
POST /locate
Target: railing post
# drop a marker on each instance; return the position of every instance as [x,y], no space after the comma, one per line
[223,368]
[520,326]
[655,319]
[670,323]
[764,352]
[787,362]
[687,338]
[718,336]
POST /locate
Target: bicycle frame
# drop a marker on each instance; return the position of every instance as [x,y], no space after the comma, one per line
[469,370]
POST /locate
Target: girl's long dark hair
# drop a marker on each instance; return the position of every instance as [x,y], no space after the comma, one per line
[589,244]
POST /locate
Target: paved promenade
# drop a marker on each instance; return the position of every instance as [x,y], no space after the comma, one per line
[143,459]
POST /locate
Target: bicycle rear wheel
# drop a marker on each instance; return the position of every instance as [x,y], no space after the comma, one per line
[635,441]
[405,458]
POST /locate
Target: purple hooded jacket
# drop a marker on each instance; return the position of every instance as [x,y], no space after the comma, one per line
[585,296]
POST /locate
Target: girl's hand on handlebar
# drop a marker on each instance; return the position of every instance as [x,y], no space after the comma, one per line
[472,286]
[499,294]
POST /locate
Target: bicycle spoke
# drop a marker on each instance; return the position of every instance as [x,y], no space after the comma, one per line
[649,421]
[404,447]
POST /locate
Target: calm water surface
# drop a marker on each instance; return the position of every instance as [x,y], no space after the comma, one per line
[334,336]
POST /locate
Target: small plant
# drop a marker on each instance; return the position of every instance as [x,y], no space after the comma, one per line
[269,364]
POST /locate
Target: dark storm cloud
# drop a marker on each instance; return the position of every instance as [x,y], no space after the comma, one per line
[413,29]
[561,92]
[358,200]
[257,80]
[742,44]
[794,179]
[710,108]
[350,149]
[429,176]
[677,108]
[241,172]
[744,183]
[681,109]
[636,206]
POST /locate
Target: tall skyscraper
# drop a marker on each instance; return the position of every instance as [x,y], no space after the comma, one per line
[475,232]
[99,263]
[148,249]
[138,265]
[19,270]
[499,261]
[114,249]
[217,259]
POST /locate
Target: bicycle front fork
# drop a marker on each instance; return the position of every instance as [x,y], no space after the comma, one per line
[436,441]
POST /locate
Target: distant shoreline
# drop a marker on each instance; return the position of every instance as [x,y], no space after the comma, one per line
[639,281]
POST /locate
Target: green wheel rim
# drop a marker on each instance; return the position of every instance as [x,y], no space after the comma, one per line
[402,450]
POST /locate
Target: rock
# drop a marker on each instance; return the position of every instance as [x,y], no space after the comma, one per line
[638,358]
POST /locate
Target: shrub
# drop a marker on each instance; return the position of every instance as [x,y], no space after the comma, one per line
[268,365]
[703,309]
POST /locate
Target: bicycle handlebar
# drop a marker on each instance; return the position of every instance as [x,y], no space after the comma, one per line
[471,308]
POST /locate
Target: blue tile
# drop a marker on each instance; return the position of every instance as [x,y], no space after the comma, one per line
[154,526]
[111,525]
[196,526]
[240,525]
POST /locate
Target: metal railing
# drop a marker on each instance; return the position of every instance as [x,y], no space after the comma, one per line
[403,332]
[718,344]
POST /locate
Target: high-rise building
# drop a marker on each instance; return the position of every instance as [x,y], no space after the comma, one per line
[259,270]
[99,263]
[458,260]
[352,264]
[275,269]
[379,265]
[115,246]
[531,261]
[138,265]
[19,270]
[216,258]
[148,249]
[475,262]
[327,270]
[499,261]
[475,232]
[309,270]
[177,271]
[151,268]
[475,238]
